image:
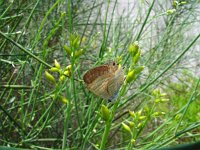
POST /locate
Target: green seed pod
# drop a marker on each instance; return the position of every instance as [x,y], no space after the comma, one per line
[178,117]
[105,113]
[126,127]
[62,78]
[131,124]
[139,69]
[56,63]
[64,99]
[67,73]
[164,100]
[170,11]
[156,114]
[50,77]
[183,3]
[78,53]
[132,114]
[54,69]
[68,50]
[136,57]
[140,125]
[133,48]
[175,4]
[142,117]
[69,67]
[133,141]
[131,76]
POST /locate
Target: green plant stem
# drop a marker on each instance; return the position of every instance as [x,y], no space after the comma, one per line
[175,136]
[188,104]
[108,125]
[45,114]
[130,144]
[105,134]
[25,50]
[38,35]
[72,82]
[16,87]
[2,15]
[109,122]
[103,46]
[12,119]
[66,121]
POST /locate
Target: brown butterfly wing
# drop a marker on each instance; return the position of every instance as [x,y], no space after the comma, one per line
[94,73]
[116,82]
[100,86]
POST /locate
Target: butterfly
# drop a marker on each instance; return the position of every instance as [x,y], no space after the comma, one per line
[105,80]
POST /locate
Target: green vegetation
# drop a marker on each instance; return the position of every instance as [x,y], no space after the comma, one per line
[47,46]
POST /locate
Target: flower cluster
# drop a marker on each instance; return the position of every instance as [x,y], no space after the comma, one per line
[139,120]
[74,48]
[135,124]
[134,70]
[176,5]
[63,73]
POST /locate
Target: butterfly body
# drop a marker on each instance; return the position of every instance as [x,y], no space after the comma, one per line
[105,81]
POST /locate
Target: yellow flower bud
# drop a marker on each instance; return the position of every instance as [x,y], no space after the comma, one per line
[140,125]
[177,117]
[76,42]
[146,109]
[157,100]
[139,112]
[131,76]
[133,141]
[105,113]
[67,73]
[54,69]
[139,69]
[50,77]
[132,113]
[78,53]
[64,99]
[170,11]
[133,48]
[131,124]
[183,2]
[162,113]
[175,3]
[126,127]
[68,50]
[155,114]
[72,54]
[56,63]
[142,117]
[156,92]
[164,100]
[62,77]
[63,14]
[69,67]
[136,57]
